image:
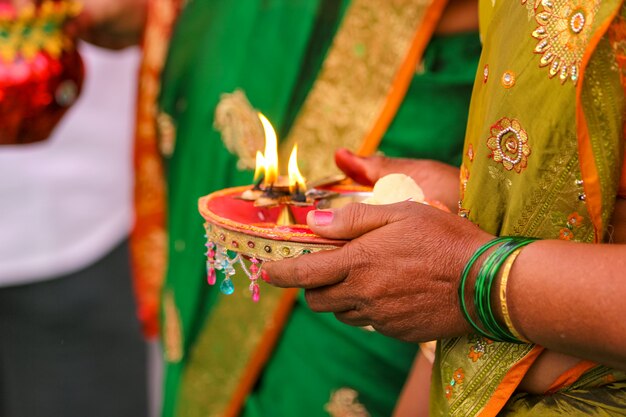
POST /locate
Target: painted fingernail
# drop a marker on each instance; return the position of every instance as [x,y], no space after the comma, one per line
[264,276]
[322,218]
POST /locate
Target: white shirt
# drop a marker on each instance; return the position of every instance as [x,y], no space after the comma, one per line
[67,201]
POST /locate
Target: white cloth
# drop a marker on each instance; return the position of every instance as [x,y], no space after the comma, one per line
[67,201]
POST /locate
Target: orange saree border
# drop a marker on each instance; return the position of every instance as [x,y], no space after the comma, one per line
[588,168]
[403,78]
[570,376]
[509,384]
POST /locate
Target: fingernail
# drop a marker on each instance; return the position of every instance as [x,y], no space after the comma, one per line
[264,276]
[322,218]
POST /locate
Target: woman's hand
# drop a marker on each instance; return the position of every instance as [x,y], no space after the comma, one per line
[438,180]
[398,273]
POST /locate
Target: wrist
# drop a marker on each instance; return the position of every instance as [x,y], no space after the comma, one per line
[485,307]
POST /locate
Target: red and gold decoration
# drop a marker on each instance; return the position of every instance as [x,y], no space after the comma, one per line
[41,72]
[266,221]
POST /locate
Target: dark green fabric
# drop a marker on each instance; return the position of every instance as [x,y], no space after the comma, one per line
[272,49]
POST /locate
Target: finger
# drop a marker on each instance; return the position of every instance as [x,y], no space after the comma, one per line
[309,271]
[353,318]
[330,299]
[354,220]
[364,170]
[354,167]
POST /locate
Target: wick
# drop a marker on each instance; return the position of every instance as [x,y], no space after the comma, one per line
[270,192]
[257,186]
[298,196]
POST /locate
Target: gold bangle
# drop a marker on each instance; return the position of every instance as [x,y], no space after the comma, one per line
[506,271]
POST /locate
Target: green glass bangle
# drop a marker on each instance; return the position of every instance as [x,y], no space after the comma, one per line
[484,284]
[465,274]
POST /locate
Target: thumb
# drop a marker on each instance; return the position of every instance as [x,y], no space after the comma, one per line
[354,220]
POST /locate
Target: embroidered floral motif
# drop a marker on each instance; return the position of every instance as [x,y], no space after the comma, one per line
[166,134]
[449,391]
[566,234]
[457,378]
[478,348]
[509,144]
[562,35]
[575,219]
[344,403]
[567,231]
[470,152]
[485,74]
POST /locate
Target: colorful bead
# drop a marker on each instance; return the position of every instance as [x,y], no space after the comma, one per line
[227,287]
[211,276]
[256,293]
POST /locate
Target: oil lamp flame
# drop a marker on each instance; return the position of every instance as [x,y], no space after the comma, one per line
[296,180]
[259,166]
[269,159]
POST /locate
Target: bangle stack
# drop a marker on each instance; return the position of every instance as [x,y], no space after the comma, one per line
[503,255]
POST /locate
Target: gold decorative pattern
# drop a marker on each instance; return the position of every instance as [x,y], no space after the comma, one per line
[563,34]
[509,144]
[236,339]
[344,402]
[166,134]
[261,248]
[240,128]
[172,334]
[370,46]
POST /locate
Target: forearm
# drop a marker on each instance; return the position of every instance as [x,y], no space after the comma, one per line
[569,297]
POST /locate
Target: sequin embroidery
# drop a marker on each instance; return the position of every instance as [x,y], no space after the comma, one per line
[562,35]
[509,144]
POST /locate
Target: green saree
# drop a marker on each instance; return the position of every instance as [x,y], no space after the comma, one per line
[273,50]
[542,158]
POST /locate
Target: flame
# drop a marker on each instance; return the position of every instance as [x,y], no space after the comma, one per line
[296,180]
[269,158]
[260,165]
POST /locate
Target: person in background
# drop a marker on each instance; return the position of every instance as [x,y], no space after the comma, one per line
[70,341]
